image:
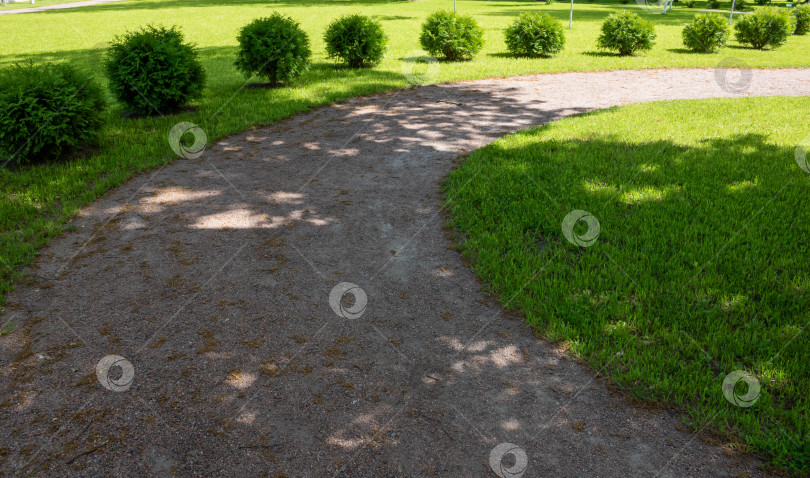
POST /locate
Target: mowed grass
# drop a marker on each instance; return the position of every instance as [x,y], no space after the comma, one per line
[700,267]
[37,201]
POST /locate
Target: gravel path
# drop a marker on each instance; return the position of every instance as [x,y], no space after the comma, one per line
[56,7]
[212,277]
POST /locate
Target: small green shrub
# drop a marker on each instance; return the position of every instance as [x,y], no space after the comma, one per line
[706,33]
[627,33]
[273,47]
[535,34]
[153,71]
[763,2]
[356,40]
[768,26]
[740,5]
[690,3]
[801,14]
[47,110]
[451,36]
[713,4]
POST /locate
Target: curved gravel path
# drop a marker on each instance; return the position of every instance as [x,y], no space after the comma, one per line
[212,277]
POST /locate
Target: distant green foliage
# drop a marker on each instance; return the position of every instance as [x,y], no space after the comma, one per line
[356,40]
[801,14]
[706,33]
[535,34]
[627,33]
[767,27]
[451,36]
[46,111]
[153,71]
[274,47]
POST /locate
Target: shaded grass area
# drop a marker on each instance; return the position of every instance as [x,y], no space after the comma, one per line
[700,266]
[37,201]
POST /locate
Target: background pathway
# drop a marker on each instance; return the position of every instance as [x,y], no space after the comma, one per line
[55,7]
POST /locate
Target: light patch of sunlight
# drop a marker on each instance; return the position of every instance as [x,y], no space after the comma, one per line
[734,302]
[175,195]
[350,444]
[593,187]
[646,194]
[741,185]
[133,223]
[510,425]
[501,358]
[773,378]
[282,197]
[257,139]
[240,380]
[236,219]
[648,168]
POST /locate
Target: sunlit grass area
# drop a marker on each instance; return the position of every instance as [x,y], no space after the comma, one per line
[699,267]
[37,201]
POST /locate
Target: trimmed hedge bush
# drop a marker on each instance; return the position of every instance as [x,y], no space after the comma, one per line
[535,34]
[627,33]
[706,33]
[153,71]
[46,111]
[356,40]
[801,14]
[767,26]
[451,36]
[274,47]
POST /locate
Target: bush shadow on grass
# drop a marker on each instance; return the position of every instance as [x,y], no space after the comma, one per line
[603,53]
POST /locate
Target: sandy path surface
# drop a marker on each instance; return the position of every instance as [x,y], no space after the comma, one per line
[212,278]
[55,7]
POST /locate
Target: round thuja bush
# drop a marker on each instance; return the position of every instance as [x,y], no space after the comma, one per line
[627,33]
[153,70]
[451,36]
[535,34]
[767,27]
[46,111]
[357,40]
[801,14]
[706,33]
[273,47]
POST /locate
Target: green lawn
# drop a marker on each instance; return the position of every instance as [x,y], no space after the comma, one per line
[37,201]
[700,266]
